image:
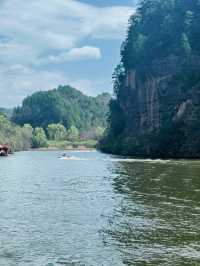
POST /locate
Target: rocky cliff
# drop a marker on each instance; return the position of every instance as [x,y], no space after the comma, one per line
[157,85]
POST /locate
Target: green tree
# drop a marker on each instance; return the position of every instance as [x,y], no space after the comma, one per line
[118,78]
[39,138]
[56,132]
[64,105]
[19,138]
[188,20]
[73,133]
[185,44]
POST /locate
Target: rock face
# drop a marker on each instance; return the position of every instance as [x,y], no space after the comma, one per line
[161,106]
[156,109]
[161,110]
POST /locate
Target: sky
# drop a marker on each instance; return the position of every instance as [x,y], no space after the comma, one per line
[46,43]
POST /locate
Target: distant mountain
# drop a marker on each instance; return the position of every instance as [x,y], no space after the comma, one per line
[64,105]
[6,111]
[156,111]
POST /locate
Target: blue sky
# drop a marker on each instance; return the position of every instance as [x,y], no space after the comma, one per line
[45,43]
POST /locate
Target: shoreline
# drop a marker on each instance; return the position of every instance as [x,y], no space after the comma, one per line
[63,149]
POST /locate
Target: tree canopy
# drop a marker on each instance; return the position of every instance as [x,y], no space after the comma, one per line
[20,138]
[160,28]
[66,106]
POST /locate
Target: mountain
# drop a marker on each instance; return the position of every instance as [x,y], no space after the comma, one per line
[64,105]
[6,111]
[156,109]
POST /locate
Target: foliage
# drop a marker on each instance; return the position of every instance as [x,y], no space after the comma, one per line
[56,132]
[7,112]
[160,31]
[72,133]
[118,78]
[94,133]
[66,106]
[39,138]
[19,138]
[89,143]
[160,28]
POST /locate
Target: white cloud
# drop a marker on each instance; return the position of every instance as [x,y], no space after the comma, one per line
[18,81]
[36,31]
[58,24]
[91,87]
[82,53]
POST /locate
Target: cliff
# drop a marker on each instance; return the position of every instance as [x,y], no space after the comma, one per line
[156,109]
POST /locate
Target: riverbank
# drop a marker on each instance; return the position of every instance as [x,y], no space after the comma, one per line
[64,149]
[83,145]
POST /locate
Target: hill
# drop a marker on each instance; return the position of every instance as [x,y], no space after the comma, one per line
[6,111]
[64,105]
[156,111]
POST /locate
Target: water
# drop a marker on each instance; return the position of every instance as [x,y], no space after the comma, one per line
[98,210]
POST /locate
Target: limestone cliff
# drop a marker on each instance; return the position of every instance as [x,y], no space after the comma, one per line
[160,109]
[156,111]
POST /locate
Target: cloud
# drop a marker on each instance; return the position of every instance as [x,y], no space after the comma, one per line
[82,53]
[59,24]
[35,32]
[18,81]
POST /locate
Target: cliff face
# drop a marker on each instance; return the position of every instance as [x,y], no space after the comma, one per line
[161,110]
[157,85]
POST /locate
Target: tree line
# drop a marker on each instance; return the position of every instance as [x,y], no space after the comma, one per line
[64,105]
[26,137]
[60,115]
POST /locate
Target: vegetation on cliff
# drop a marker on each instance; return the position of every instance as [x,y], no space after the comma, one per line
[156,110]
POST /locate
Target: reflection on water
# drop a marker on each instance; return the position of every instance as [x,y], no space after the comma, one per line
[99,210]
[158,220]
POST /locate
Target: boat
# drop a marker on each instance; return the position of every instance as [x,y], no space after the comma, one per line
[5,150]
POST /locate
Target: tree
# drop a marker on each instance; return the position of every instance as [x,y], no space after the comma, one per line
[56,131]
[64,105]
[188,20]
[19,138]
[39,138]
[73,133]
[185,44]
[118,78]
[27,135]
[94,133]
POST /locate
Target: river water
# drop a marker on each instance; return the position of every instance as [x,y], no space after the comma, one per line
[98,210]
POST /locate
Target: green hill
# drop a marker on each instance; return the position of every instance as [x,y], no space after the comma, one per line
[64,105]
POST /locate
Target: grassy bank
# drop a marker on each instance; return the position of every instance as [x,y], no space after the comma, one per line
[66,145]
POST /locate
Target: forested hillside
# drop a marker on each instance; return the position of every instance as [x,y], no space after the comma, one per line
[156,111]
[64,105]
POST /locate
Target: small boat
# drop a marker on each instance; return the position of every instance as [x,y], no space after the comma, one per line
[64,156]
[5,150]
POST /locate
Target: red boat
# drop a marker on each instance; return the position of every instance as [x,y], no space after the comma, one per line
[5,150]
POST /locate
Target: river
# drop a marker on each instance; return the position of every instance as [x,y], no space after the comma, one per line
[98,210]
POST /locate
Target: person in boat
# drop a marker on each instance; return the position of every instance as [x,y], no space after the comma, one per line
[65,156]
